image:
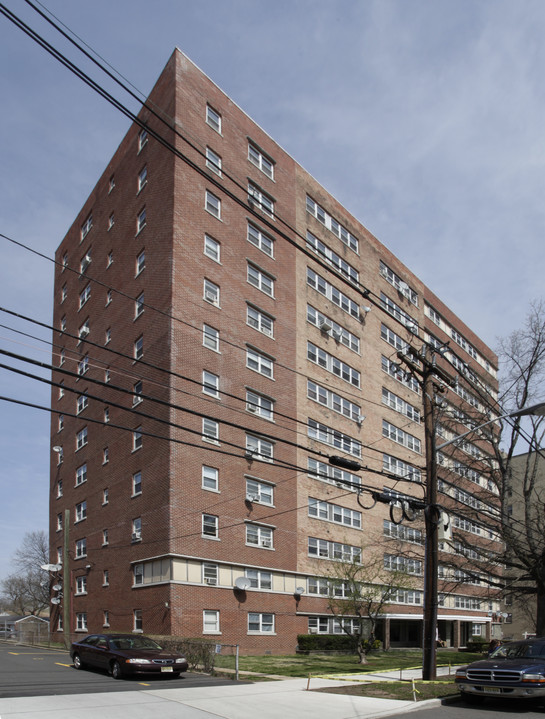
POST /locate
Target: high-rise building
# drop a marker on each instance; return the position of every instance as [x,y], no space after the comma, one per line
[223,326]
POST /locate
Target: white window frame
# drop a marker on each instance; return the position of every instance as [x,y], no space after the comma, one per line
[137,440]
[81,474]
[213,161]
[210,338]
[260,280]
[80,511]
[143,137]
[81,622]
[84,296]
[259,536]
[210,478]
[210,523]
[260,321]
[260,239]
[259,363]
[86,226]
[260,405]
[209,436]
[210,621]
[140,262]
[259,579]
[262,161]
[212,204]
[259,492]
[210,383]
[139,348]
[142,178]
[213,118]
[81,438]
[136,484]
[139,306]
[333,294]
[81,548]
[334,365]
[211,293]
[265,622]
[259,448]
[210,574]
[141,220]
[256,196]
[212,248]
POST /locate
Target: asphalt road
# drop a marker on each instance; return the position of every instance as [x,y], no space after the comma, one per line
[491,709]
[30,672]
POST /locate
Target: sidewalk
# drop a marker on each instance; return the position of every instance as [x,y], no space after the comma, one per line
[263,700]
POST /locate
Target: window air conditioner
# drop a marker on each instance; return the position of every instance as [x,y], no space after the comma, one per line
[136,536]
[84,331]
[210,580]
[251,408]
[265,542]
[210,296]
[336,336]
[85,262]
[325,326]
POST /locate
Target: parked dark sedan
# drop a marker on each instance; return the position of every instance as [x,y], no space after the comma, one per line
[513,671]
[126,654]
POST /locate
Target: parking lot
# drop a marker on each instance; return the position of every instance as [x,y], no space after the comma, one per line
[33,671]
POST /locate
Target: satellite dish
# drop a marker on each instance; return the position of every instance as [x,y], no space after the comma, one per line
[51,567]
[57,587]
[300,590]
[242,583]
[55,600]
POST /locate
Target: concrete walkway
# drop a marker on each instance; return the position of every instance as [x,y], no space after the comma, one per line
[262,700]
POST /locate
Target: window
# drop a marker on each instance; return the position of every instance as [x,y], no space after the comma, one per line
[210,478]
[141,220]
[332,293]
[61,389]
[108,297]
[211,293]
[137,439]
[105,496]
[210,526]
[210,430]
[81,511]
[396,281]
[59,522]
[210,383]
[211,248]
[339,333]
[258,404]
[81,622]
[83,365]
[107,375]
[84,330]
[400,405]
[81,548]
[139,348]
[402,532]
[105,578]
[314,209]
[259,623]
[334,513]
[259,320]
[106,415]
[259,579]
[334,438]
[136,483]
[142,138]
[211,338]
[138,574]
[210,573]
[84,296]
[260,492]
[63,324]
[400,468]
[260,239]
[104,537]
[259,363]
[401,437]
[393,369]
[81,474]
[107,336]
[333,475]
[256,197]
[137,393]
[111,184]
[333,364]
[64,293]
[325,549]
[139,305]
[213,118]
[136,535]
[142,178]
[138,623]
[62,357]
[210,622]
[64,262]
[396,311]
[106,618]
[406,565]
[259,536]
[334,401]
[85,262]
[111,221]
[140,262]
[81,438]
[213,161]
[59,489]
[105,455]
[86,227]
[109,259]
[60,456]
[212,204]
[332,258]
[261,161]
[61,422]
[259,448]
[261,280]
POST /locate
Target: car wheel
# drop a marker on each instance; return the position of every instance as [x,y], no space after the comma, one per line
[78,664]
[116,670]
[472,698]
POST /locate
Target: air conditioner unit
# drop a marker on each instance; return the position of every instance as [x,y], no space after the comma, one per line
[251,408]
[210,580]
[136,536]
[265,542]
[325,326]
[336,336]
[84,331]
[251,497]
[403,287]
[85,262]
[211,297]
[413,329]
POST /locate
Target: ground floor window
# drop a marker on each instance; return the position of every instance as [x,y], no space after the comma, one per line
[260,623]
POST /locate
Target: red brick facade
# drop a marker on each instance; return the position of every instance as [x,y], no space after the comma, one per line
[153,286]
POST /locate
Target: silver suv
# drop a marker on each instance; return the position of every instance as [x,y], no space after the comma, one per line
[512,671]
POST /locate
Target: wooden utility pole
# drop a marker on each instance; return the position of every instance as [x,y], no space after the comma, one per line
[66,594]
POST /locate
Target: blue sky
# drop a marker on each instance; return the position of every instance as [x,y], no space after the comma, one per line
[425,118]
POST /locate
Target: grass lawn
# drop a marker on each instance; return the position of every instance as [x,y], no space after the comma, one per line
[301,665]
[398,690]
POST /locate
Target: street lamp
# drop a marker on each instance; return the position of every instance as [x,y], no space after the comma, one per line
[429,662]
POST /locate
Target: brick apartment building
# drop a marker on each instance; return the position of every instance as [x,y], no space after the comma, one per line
[223,326]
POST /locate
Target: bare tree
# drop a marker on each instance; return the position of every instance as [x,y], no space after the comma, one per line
[27,590]
[358,591]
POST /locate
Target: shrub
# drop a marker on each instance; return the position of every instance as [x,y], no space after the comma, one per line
[200,654]
[326,643]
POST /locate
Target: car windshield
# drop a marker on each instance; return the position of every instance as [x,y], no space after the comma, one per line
[518,651]
[136,642]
